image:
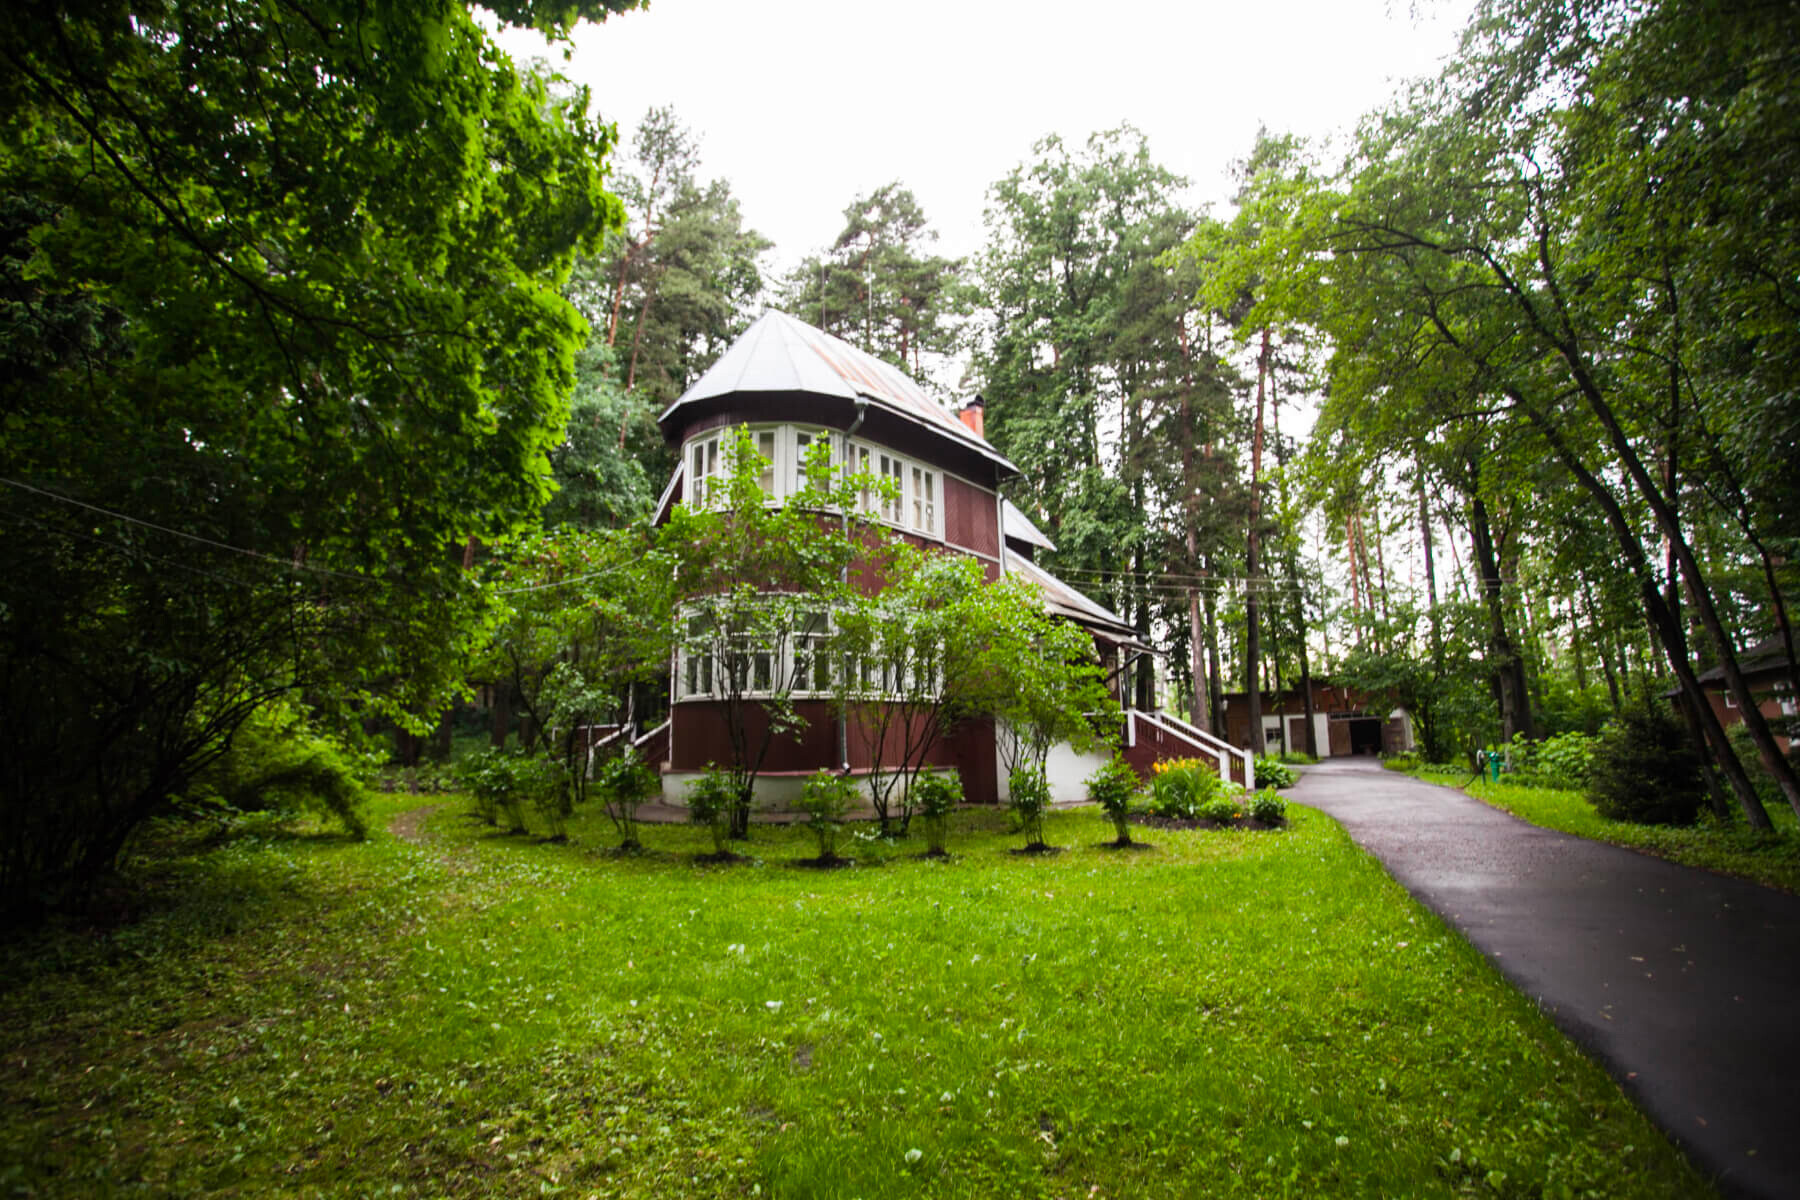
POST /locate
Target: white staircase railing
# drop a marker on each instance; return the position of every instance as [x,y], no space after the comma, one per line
[1220,750]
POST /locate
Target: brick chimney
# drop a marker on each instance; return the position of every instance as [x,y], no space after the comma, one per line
[971,415]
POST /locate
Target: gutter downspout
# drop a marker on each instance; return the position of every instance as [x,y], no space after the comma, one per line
[843,730]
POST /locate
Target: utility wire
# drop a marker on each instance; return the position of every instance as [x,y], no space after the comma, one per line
[286,564]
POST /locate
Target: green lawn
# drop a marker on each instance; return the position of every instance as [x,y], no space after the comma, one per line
[1227,1014]
[1771,859]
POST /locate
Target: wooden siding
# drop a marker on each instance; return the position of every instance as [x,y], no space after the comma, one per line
[700,736]
[971,517]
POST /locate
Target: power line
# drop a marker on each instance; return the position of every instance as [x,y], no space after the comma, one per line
[286,564]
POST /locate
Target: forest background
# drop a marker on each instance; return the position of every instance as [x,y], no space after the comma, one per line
[1542,312]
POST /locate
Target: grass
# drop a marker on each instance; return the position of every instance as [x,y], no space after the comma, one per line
[1228,1013]
[1772,859]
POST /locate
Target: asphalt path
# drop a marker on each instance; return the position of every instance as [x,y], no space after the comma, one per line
[1683,983]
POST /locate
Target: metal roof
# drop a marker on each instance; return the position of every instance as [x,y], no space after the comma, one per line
[780,353]
[1066,601]
[1017,526]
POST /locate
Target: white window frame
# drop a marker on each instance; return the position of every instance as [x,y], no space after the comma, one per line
[699,676]
[917,508]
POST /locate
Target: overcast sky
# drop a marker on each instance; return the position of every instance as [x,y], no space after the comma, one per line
[804,104]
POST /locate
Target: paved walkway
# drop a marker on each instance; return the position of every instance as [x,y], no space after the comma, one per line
[1685,984]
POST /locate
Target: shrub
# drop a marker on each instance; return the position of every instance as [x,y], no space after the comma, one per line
[624,782]
[1563,761]
[544,784]
[1221,809]
[277,762]
[825,799]
[1273,772]
[1180,787]
[710,801]
[937,793]
[1268,806]
[1766,788]
[1400,762]
[492,779]
[1028,798]
[1115,788]
[1645,771]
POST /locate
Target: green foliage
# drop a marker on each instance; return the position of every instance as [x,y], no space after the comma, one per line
[1273,772]
[936,795]
[826,798]
[278,762]
[877,287]
[503,781]
[545,784]
[1222,810]
[1644,770]
[1116,788]
[625,781]
[1181,788]
[710,801]
[283,333]
[1563,761]
[1268,806]
[1028,798]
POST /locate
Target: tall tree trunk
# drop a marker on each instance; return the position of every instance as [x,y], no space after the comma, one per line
[1662,620]
[1215,699]
[1253,564]
[1428,704]
[1507,670]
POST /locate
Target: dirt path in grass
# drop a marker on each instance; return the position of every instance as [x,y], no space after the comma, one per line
[1681,982]
[409,825]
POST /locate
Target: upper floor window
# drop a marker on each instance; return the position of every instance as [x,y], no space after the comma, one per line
[915,503]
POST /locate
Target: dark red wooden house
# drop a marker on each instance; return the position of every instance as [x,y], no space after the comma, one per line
[792,386]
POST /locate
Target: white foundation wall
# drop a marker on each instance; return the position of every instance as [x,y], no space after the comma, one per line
[1066,769]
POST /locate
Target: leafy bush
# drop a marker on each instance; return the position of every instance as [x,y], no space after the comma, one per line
[486,775]
[1115,787]
[503,781]
[1645,771]
[1766,788]
[544,783]
[1268,806]
[1400,762]
[624,782]
[1273,772]
[1222,809]
[937,793]
[1563,761]
[277,762]
[710,801]
[825,798]
[1028,798]
[1180,787]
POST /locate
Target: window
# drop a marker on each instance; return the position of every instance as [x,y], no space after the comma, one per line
[712,665]
[765,449]
[915,506]
[703,468]
[804,441]
[924,500]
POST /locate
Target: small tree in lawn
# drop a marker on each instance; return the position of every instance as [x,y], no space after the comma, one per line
[757,584]
[1036,675]
[903,650]
[1115,787]
[826,799]
[624,782]
[937,793]
[1028,795]
[709,803]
